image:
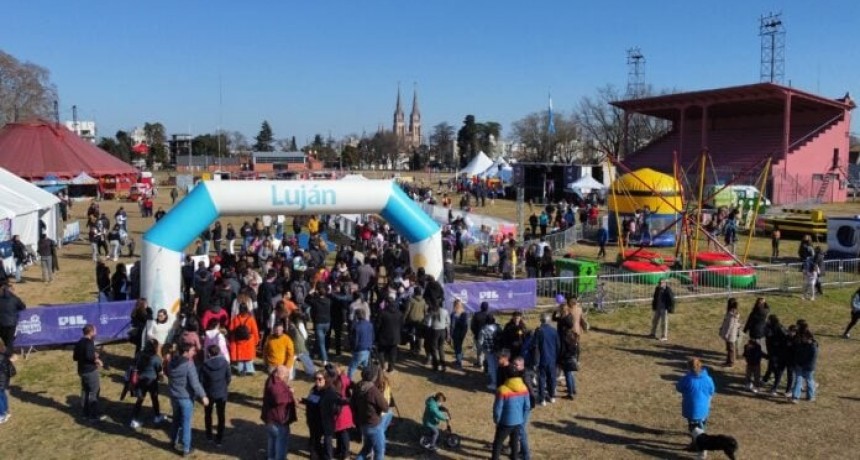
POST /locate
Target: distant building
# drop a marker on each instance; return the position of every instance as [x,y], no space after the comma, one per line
[178,145]
[84,129]
[411,138]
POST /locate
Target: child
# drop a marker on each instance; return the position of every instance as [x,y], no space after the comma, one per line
[775,236]
[7,371]
[433,414]
[730,330]
[753,356]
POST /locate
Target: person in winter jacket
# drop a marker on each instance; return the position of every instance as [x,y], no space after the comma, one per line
[213,336]
[439,322]
[546,338]
[774,338]
[757,320]
[389,324]
[511,409]
[279,412]
[217,313]
[753,356]
[697,389]
[362,342]
[459,329]
[479,320]
[279,349]
[149,371]
[568,360]
[514,334]
[785,361]
[805,360]
[490,345]
[433,415]
[730,331]
[662,304]
[416,310]
[368,405]
[320,306]
[184,386]
[319,405]
[215,377]
[855,313]
[244,337]
[299,335]
[10,306]
[343,422]
[7,371]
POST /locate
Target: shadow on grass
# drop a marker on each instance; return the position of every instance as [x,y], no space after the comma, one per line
[850,398]
[601,330]
[644,446]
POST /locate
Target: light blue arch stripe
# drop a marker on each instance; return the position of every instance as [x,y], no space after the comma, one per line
[185,222]
[407,218]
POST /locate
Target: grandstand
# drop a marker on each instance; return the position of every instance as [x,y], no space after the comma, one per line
[807,135]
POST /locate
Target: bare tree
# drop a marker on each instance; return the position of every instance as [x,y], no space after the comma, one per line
[237,143]
[541,145]
[26,90]
[602,124]
[442,143]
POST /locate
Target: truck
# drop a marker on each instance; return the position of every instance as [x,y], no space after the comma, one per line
[742,197]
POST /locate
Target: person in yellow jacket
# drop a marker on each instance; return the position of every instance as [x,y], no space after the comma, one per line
[279,349]
[313,225]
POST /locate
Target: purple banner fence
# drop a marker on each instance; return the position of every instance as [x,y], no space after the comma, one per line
[62,324]
[501,295]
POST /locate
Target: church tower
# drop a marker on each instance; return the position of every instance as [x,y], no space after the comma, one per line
[399,119]
[415,122]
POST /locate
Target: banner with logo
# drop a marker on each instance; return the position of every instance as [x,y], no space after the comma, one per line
[62,324]
[500,295]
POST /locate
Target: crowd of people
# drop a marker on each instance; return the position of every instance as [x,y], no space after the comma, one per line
[266,301]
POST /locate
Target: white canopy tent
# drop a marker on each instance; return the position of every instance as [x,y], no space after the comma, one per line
[479,164]
[585,185]
[495,168]
[27,205]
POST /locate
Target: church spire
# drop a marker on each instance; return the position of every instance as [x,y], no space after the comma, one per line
[398,110]
[415,110]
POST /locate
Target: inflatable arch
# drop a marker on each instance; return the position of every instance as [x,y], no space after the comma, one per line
[164,243]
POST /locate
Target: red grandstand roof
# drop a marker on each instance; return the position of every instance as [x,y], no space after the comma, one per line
[37,148]
[757,98]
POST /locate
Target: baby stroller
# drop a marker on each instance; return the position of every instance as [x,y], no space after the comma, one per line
[446,437]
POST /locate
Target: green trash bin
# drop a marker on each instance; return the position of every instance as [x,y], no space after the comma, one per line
[584,273]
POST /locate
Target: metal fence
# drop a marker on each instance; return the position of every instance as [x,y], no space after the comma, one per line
[559,241]
[617,287]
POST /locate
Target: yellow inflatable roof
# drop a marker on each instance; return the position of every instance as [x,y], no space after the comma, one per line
[628,193]
[632,182]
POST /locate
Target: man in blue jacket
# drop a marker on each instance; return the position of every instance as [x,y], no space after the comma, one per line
[547,344]
[510,412]
[183,386]
[697,389]
[362,342]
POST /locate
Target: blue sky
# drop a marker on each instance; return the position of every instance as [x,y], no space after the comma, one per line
[333,66]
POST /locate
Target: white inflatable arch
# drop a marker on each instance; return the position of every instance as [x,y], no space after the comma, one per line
[164,243]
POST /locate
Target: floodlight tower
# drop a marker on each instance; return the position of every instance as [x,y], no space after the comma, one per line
[635,73]
[772,33]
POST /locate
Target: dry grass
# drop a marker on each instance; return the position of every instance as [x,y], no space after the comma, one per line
[626,408]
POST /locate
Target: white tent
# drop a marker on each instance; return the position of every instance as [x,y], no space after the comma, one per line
[585,185]
[479,164]
[27,205]
[353,177]
[493,171]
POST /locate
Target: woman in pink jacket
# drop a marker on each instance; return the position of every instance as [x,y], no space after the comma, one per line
[343,420]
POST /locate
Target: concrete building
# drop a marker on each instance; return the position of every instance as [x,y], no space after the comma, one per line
[84,129]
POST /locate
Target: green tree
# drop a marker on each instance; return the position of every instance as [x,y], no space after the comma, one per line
[265,139]
[293,146]
[156,139]
[533,133]
[488,135]
[208,144]
[350,157]
[468,140]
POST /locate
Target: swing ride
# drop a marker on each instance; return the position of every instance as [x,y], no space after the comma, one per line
[648,209]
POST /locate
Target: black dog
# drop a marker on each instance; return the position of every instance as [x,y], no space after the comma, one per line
[705,442]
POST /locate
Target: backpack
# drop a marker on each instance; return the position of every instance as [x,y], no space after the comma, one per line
[299,291]
[209,341]
[242,332]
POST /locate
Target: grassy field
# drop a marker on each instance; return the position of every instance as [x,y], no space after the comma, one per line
[626,407]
